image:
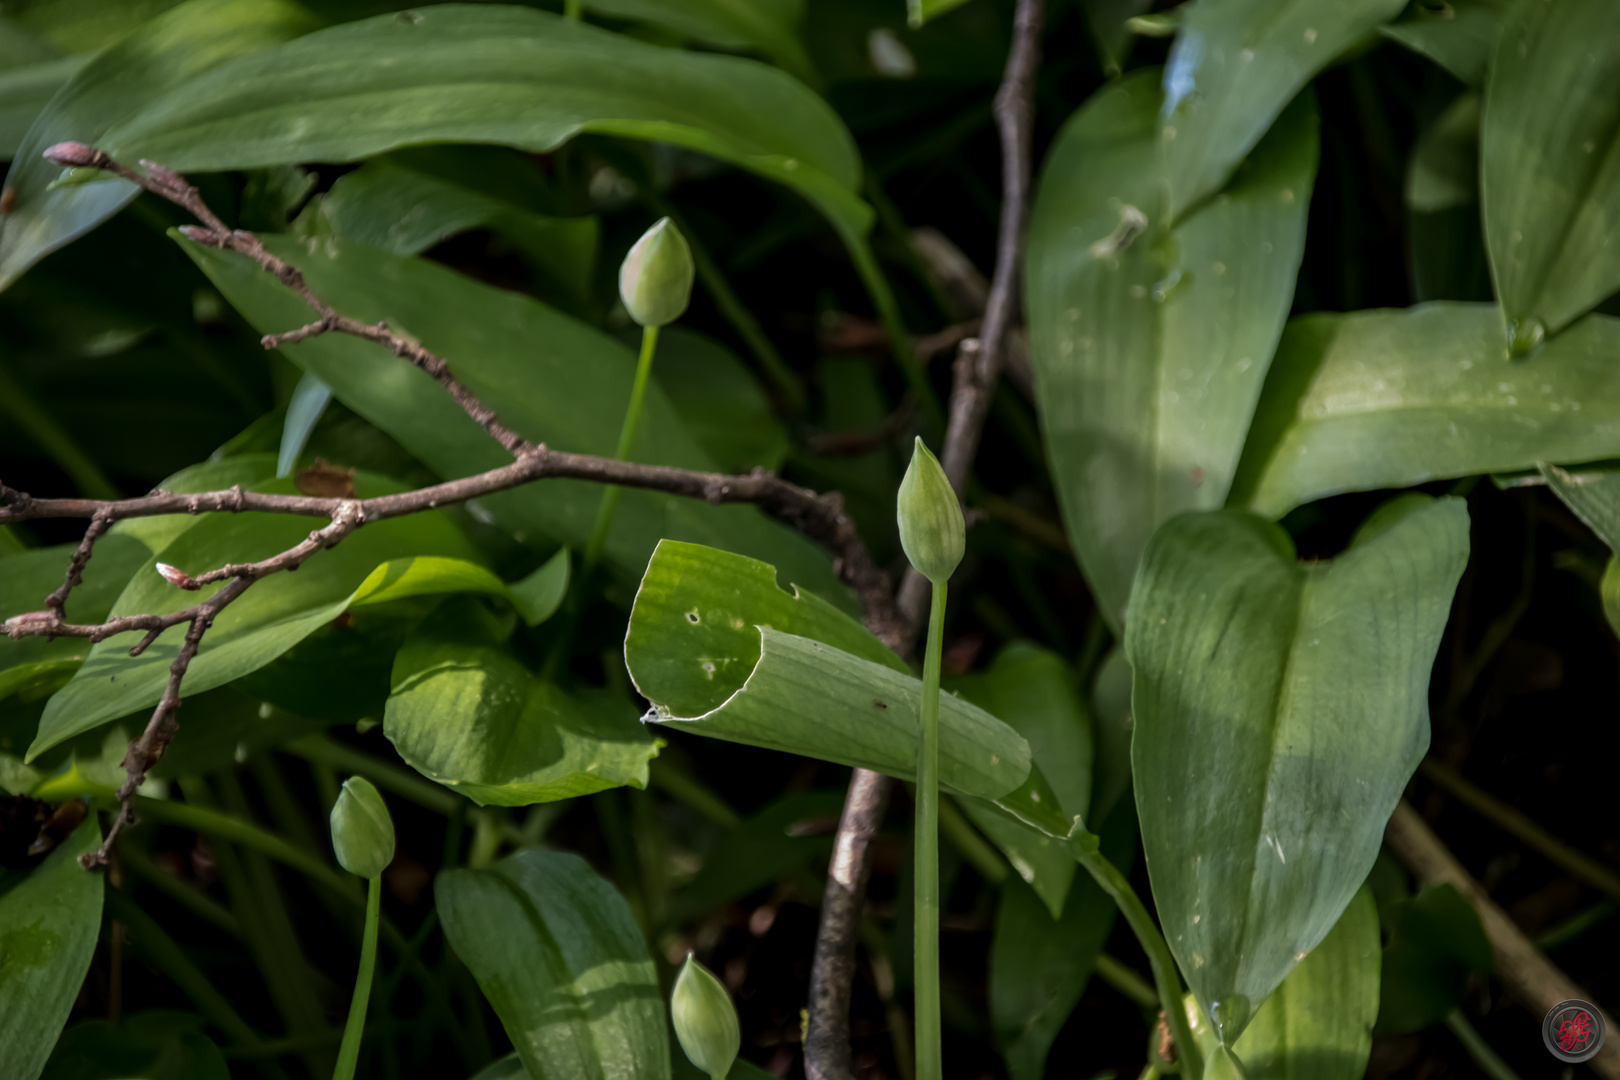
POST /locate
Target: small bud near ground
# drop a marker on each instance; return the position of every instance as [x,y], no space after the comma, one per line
[655,280]
[362,831]
[931,526]
[705,1020]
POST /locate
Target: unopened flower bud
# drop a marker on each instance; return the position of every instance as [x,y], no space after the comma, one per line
[362,831]
[655,280]
[30,619]
[176,576]
[74,155]
[705,1021]
[931,526]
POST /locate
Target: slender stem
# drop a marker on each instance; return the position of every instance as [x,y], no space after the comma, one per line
[354,1031]
[930,1056]
[888,311]
[1478,1049]
[1165,977]
[627,442]
[1126,981]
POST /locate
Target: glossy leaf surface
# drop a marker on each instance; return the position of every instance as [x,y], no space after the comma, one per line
[1318,1023]
[1150,344]
[553,379]
[1390,398]
[165,53]
[495,74]
[1280,710]
[1458,34]
[555,950]
[1233,68]
[1550,162]
[48,928]
[386,560]
[721,650]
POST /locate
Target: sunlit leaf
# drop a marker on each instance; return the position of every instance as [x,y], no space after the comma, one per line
[1280,710]
[1233,68]
[165,53]
[1318,1023]
[1151,344]
[555,950]
[49,923]
[1549,169]
[1389,398]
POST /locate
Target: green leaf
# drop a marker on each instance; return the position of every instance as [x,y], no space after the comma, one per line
[1043,861]
[1040,963]
[48,928]
[1280,710]
[472,717]
[309,400]
[719,401]
[1233,68]
[1548,163]
[720,650]
[559,956]
[538,596]
[386,560]
[157,533]
[157,1045]
[550,377]
[1593,495]
[1447,249]
[769,26]
[388,205]
[165,53]
[1456,34]
[495,74]
[763,849]
[1113,724]
[24,93]
[34,666]
[1151,344]
[1436,943]
[1318,1024]
[1390,398]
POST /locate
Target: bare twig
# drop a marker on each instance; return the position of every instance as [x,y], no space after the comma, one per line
[1526,971]
[827,1051]
[979,361]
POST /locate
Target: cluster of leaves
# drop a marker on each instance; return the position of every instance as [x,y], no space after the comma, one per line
[1200,401]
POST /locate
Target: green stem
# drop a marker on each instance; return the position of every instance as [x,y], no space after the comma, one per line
[573,10]
[1478,1049]
[627,442]
[1126,981]
[930,1058]
[888,311]
[190,897]
[1163,964]
[354,1031]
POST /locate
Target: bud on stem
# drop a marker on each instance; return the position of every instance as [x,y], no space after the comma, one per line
[932,529]
[362,831]
[655,280]
[705,1021]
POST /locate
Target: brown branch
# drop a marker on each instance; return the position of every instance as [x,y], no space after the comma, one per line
[827,1050]
[1524,969]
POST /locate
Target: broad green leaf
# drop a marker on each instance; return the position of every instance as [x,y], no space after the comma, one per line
[1436,943]
[1456,34]
[557,953]
[759,851]
[1447,249]
[49,923]
[495,74]
[1318,1023]
[1150,343]
[157,533]
[76,26]
[309,400]
[1549,170]
[1389,398]
[1593,495]
[719,401]
[769,26]
[1233,68]
[399,209]
[540,594]
[24,93]
[550,377]
[472,717]
[1280,710]
[165,53]
[1034,692]
[720,650]
[35,666]
[151,1045]
[382,561]
[1040,964]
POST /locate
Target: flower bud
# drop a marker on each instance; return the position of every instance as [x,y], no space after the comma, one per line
[931,527]
[655,280]
[176,576]
[362,831]
[705,1021]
